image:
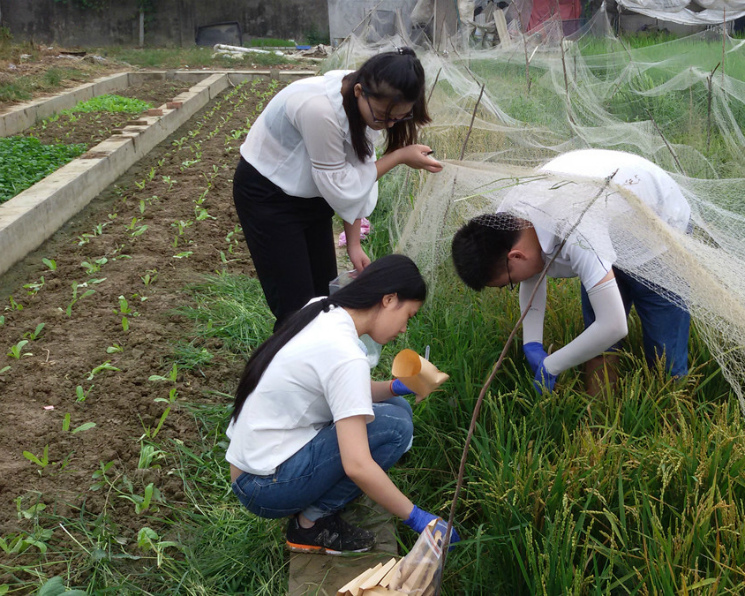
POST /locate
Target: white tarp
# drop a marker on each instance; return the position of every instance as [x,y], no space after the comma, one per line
[714,11]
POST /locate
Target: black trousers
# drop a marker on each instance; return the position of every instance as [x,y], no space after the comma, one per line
[291,241]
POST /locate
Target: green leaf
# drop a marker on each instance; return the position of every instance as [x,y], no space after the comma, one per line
[84,427]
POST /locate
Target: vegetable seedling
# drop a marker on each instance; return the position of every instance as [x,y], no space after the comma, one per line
[42,461]
[78,429]
[16,351]
[32,335]
[100,368]
[76,298]
[81,393]
[50,263]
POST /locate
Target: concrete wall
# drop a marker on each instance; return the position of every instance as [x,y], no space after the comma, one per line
[170,23]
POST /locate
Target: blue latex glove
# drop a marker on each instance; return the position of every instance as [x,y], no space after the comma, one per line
[419,519]
[544,381]
[398,388]
[534,354]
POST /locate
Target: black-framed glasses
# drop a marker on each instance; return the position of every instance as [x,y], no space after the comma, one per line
[377,120]
[507,267]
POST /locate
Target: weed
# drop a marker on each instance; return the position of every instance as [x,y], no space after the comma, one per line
[50,263]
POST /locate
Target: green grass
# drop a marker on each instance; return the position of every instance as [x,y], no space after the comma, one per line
[24,161]
[23,87]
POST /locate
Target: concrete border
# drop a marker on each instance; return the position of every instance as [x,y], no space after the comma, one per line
[32,216]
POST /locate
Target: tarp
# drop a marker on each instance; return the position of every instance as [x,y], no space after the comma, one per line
[543,10]
[685,12]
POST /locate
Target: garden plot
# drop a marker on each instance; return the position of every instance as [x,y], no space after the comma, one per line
[46,146]
[86,332]
[93,127]
[30,217]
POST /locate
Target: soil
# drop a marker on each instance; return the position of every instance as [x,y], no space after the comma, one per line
[94,127]
[39,388]
[34,61]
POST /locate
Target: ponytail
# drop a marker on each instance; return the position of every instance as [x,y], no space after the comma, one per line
[393,274]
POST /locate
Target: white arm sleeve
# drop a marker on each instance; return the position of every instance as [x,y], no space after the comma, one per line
[533,321]
[609,327]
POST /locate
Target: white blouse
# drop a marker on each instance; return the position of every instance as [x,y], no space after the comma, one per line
[301,142]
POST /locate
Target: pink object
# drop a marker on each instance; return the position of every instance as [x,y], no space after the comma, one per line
[364,231]
[49,407]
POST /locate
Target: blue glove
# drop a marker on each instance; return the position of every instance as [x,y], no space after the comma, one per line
[544,381]
[419,519]
[398,388]
[534,354]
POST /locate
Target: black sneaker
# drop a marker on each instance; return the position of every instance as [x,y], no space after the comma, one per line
[330,535]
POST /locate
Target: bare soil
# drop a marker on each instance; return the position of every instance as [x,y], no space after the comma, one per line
[39,388]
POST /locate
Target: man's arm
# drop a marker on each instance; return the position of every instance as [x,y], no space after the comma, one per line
[609,327]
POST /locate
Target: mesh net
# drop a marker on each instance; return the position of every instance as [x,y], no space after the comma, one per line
[501,111]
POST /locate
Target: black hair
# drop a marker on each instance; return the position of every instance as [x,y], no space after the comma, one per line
[481,246]
[396,77]
[392,274]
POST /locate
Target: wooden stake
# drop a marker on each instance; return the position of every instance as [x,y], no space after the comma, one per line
[473,117]
[709,81]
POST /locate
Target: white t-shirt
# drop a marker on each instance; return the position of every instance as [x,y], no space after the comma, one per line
[320,376]
[578,257]
[301,142]
[646,180]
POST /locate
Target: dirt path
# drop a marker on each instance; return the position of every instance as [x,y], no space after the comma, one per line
[125,246]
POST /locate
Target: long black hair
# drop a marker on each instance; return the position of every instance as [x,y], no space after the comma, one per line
[392,274]
[396,77]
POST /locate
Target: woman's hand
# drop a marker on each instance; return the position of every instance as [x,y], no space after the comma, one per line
[414,156]
[417,157]
[359,258]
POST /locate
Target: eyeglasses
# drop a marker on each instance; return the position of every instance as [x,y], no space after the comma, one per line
[377,120]
[507,267]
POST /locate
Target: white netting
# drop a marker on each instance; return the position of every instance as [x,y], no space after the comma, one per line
[512,107]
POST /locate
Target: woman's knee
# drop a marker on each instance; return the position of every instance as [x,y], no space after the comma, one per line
[392,429]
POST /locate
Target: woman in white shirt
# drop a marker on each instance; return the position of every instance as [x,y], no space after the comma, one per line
[309,154]
[310,431]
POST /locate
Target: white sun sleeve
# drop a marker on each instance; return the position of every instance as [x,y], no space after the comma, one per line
[609,327]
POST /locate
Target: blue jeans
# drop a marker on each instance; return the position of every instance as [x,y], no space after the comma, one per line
[313,481]
[665,325]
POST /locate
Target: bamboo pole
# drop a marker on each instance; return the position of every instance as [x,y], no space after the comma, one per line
[473,118]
